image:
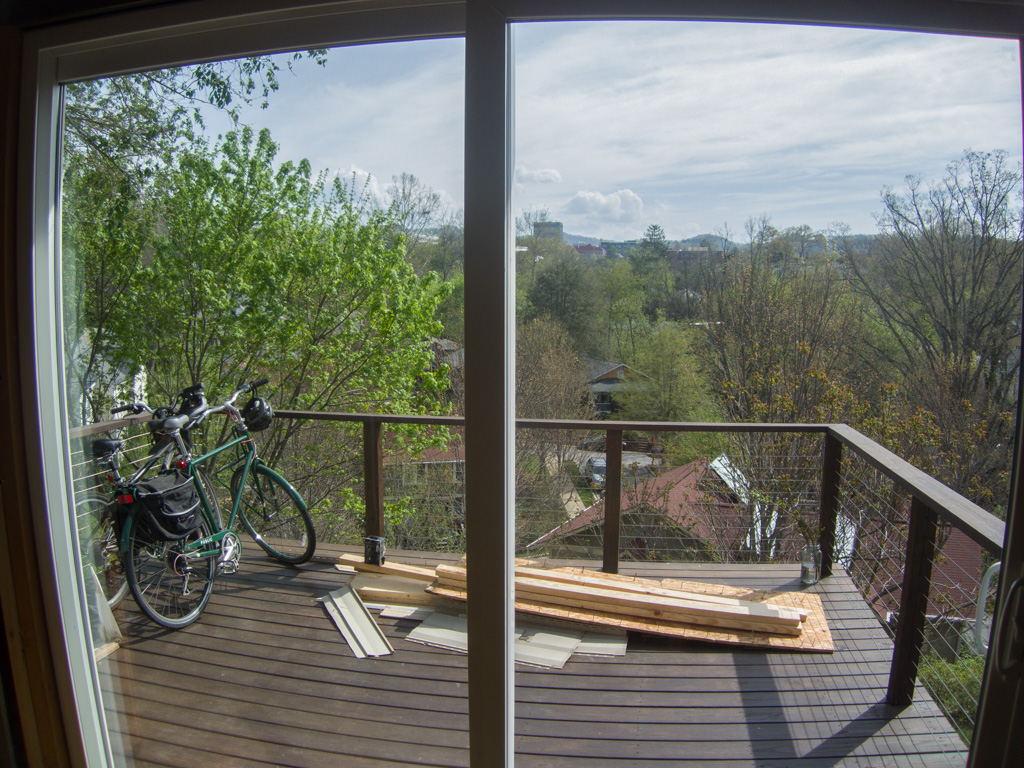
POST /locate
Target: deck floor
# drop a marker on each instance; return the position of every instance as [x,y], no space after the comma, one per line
[265,679]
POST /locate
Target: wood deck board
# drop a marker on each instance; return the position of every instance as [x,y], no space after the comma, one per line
[264,678]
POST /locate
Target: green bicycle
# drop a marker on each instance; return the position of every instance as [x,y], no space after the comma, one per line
[170,540]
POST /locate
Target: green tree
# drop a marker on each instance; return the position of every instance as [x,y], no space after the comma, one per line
[565,289]
[654,239]
[551,383]
[624,321]
[805,241]
[775,348]
[272,270]
[120,136]
[775,344]
[663,284]
[222,214]
[446,256]
[945,279]
[108,226]
[127,124]
[674,388]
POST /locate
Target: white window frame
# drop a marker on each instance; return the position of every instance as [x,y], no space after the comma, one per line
[214,29]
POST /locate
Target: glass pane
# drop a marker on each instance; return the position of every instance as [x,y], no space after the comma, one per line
[768,224]
[295,221]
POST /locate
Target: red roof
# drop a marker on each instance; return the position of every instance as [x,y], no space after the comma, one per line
[678,490]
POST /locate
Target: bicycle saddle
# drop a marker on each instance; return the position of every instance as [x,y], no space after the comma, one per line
[169,424]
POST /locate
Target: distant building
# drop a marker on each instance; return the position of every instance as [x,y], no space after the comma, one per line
[657,519]
[608,377]
[592,251]
[551,230]
[621,247]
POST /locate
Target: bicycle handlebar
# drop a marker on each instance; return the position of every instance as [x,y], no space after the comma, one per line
[197,389]
[228,405]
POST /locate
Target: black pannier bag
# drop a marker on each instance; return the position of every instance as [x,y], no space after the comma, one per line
[171,504]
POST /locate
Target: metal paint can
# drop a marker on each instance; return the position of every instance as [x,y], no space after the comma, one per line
[373,550]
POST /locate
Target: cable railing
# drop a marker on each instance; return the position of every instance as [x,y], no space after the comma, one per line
[916,550]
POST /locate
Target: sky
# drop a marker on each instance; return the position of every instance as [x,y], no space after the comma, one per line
[693,126]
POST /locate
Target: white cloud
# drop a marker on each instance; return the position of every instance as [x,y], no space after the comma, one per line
[712,122]
[389,108]
[695,123]
[622,206]
[364,182]
[537,175]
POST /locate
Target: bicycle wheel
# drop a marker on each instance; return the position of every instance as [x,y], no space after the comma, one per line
[171,588]
[275,516]
[100,546]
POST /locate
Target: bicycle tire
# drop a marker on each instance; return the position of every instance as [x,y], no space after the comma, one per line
[275,516]
[156,572]
[101,548]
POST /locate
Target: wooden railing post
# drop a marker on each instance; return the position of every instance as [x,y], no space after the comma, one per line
[831,467]
[917,579]
[373,476]
[612,499]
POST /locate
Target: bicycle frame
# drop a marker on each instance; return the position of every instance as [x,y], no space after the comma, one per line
[246,446]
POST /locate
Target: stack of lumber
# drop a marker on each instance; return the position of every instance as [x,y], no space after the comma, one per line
[688,610]
[394,583]
[571,591]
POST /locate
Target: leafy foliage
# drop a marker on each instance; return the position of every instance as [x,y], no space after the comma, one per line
[945,281]
[956,687]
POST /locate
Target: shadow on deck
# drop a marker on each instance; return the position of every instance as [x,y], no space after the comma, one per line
[264,678]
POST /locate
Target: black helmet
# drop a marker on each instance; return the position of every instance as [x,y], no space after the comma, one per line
[257,414]
[193,401]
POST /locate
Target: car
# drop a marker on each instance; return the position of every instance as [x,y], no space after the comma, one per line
[594,470]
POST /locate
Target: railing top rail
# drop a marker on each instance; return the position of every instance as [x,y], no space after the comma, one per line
[668,426]
[636,426]
[379,418]
[983,527]
[106,426]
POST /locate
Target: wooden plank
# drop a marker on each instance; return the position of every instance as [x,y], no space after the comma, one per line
[388,588]
[815,636]
[570,595]
[640,586]
[393,597]
[397,569]
[105,650]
